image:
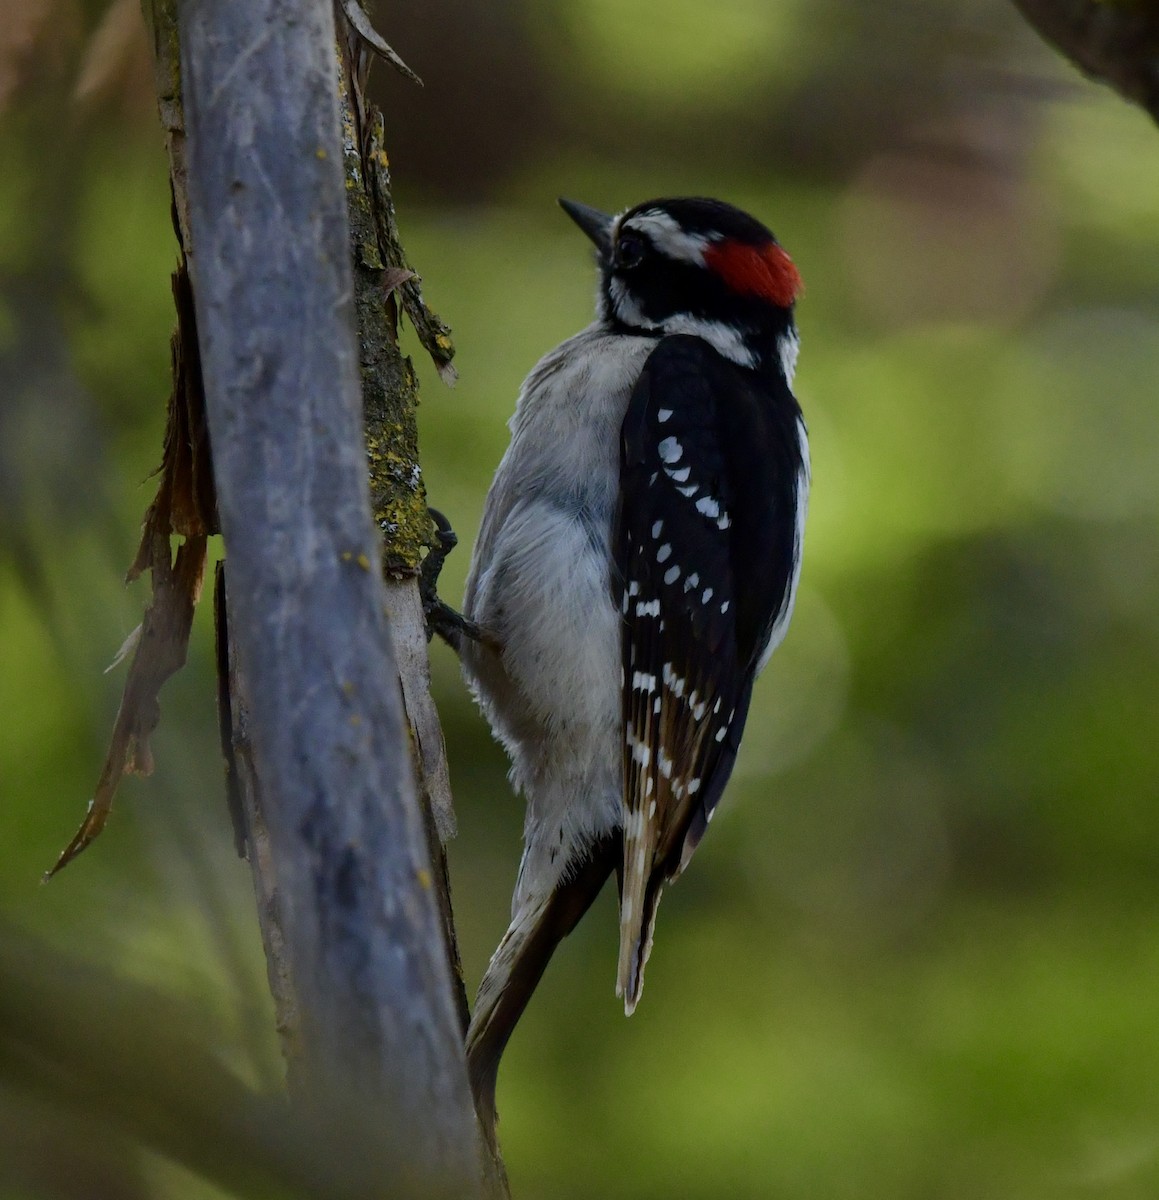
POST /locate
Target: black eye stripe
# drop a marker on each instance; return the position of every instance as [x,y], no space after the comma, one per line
[629,250]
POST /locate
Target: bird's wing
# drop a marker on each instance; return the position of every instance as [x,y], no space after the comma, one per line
[706,548]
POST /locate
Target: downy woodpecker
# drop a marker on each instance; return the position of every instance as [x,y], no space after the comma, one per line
[636,566]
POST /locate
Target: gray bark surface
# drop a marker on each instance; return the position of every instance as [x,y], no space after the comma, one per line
[364,945]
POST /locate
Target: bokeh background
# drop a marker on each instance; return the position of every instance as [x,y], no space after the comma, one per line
[918,956]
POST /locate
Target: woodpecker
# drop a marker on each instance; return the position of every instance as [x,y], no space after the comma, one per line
[636,566]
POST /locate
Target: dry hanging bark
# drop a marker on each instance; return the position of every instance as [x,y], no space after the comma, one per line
[183,506]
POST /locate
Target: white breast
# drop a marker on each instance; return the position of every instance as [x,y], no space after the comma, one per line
[540,583]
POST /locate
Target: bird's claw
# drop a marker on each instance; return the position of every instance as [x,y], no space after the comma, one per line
[441,618]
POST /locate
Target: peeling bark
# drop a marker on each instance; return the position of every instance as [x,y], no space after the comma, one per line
[183,506]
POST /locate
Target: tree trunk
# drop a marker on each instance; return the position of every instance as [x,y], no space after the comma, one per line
[339,846]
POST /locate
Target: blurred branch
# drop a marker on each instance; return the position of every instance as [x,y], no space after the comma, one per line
[349,870]
[1113,41]
[124,1066]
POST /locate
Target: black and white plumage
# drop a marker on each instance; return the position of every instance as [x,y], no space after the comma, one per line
[636,566]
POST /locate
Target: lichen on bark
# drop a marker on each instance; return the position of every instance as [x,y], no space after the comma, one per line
[389,385]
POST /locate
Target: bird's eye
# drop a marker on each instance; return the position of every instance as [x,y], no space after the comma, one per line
[629,250]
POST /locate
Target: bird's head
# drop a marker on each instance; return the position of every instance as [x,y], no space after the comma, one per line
[700,267]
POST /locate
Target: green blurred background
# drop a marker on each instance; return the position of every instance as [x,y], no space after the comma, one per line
[918,956]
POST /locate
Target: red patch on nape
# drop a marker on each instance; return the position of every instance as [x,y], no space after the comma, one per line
[764,271]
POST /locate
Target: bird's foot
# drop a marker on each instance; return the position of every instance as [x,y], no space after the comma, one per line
[441,618]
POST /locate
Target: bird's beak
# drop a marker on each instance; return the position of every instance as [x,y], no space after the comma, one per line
[597,225]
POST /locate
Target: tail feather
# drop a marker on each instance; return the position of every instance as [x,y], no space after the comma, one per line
[639,898]
[518,964]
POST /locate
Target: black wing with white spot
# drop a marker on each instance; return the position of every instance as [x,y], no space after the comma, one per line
[706,542]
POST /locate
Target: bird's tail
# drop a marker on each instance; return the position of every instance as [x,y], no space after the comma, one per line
[519,961]
[639,898]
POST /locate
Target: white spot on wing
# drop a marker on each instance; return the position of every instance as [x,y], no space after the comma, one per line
[664,553]
[708,507]
[663,415]
[671,575]
[672,681]
[670,450]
